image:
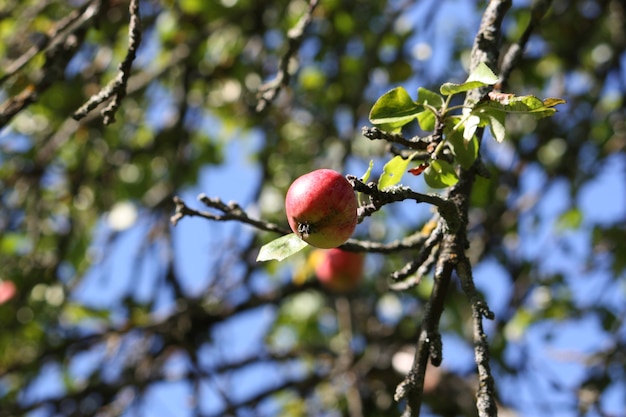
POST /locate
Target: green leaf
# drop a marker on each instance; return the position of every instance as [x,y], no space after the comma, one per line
[448,89]
[281,248]
[440,174]
[570,220]
[393,172]
[531,105]
[496,124]
[480,77]
[465,152]
[75,313]
[470,126]
[426,120]
[361,198]
[482,73]
[367,174]
[394,109]
[551,102]
[425,96]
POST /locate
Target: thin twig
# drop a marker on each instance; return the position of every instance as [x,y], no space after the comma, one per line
[419,266]
[231,211]
[417,142]
[57,35]
[116,88]
[269,91]
[514,53]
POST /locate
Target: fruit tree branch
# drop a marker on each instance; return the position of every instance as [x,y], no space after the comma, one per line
[269,91]
[417,142]
[428,344]
[116,88]
[379,198]
[485,49]
[514,53]
[452,252]
[231,211]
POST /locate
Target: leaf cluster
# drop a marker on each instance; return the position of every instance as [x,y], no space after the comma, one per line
[454,127]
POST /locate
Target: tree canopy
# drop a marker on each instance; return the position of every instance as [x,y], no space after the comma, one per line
[146,148]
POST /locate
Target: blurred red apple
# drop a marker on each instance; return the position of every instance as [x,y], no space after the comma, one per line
[321,208]
[339,270]
[7,291]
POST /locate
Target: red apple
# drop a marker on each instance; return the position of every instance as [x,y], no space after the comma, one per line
[321,208]
[7,291]
[339,270]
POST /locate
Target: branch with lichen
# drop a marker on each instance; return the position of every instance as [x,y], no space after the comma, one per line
[269,91]
[452,255]
[116,88]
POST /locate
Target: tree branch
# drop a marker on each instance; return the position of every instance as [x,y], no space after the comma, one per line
[269,91]
[232,211]
[416,142]
[116,88]
[452,253]
[514,53]
[429,342]
[379,198]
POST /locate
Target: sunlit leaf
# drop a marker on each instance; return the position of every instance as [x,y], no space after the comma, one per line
[367,174]
[361,198]
[448,89]
[281,248]
[394,109]
[426,120]
[496,124]
[531,105]
[440,174]
[470,126]
[393,171]
[482,76]
[425,96]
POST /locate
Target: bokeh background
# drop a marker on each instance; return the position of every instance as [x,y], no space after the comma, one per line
[108,310]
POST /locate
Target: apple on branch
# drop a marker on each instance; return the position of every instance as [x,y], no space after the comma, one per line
[321,208]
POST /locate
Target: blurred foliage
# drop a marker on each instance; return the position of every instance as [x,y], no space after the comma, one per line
[111,314]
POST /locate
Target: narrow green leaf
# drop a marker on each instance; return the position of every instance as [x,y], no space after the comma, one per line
[551,102]
[425,96]
[440,174]
[496,124]
[362,198]
[393,172]
[394,109]
[480,77]
[281,248]
[448,89]
[367,174]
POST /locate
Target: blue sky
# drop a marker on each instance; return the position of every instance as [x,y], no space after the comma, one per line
[601,200]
